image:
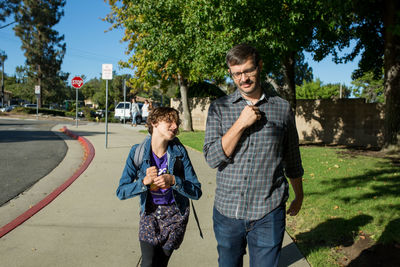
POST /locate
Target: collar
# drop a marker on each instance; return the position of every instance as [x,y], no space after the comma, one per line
[266,96]
[172,149]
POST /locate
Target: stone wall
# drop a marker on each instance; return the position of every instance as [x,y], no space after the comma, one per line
[332,122]
[340,122]
[199,109]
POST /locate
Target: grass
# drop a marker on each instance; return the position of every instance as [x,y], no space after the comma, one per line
[194,139]
[347,197]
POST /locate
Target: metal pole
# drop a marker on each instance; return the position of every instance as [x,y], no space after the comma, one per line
[37,107]
[124,98]
[106,113]
[76,107]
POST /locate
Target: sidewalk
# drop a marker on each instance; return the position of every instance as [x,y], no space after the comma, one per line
[87,225]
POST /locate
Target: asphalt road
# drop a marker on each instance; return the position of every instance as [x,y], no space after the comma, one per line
[29,150]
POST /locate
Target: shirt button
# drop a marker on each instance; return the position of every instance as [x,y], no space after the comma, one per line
[242,194]
[245,177]
[248,160]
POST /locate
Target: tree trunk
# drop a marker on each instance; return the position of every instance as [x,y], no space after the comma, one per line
[187,118]
[288,89]
[289,86]
[392,75]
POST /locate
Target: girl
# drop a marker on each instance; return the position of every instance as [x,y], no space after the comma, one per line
[164,180]
[135,110]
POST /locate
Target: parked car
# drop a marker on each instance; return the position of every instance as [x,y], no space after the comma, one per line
[6,109]
[100,113]
[30,105]
[119,112]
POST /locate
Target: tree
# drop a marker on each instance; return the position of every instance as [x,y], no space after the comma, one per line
[117,87]
[186,41]
[21,86]
[44,49]
[155,32]
[8,8]
[316,90]
[281,30]
[377,37]
[369,88]
[3,58]
[391,22]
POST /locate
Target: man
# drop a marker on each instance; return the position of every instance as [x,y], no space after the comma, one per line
[252,139]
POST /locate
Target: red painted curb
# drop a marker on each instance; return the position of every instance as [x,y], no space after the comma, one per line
[88,157]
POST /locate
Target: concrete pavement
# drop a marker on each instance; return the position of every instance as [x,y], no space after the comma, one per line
[87,225]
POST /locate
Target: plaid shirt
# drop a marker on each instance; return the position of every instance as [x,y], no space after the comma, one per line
[252,182]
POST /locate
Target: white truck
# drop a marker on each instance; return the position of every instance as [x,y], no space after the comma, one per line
[123,109]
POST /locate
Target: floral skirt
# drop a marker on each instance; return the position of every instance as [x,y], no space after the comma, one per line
[163,225]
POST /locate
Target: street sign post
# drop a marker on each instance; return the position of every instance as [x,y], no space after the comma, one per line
[77,82]
[37,93]
[106,74]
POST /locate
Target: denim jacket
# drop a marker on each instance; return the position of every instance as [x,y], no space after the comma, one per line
[186,182]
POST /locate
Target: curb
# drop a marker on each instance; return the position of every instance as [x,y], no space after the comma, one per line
[89,153]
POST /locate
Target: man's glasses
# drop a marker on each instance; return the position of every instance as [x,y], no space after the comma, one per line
[247,73]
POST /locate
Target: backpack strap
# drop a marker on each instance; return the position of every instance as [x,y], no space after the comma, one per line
[139,152]
[197,219]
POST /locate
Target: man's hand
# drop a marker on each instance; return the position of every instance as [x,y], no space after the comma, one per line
[249,115]
[295,207]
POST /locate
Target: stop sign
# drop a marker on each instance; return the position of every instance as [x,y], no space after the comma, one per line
[77,82]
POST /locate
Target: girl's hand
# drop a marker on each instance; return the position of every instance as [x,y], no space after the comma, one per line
[164,181]
[151,175]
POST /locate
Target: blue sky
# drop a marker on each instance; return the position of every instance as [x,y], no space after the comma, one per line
[89,46]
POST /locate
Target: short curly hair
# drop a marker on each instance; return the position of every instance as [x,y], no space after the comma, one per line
[162,114]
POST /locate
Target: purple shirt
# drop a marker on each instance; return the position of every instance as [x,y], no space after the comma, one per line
[161,196]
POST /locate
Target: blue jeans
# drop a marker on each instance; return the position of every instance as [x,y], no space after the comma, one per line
[133,114]
[264,238]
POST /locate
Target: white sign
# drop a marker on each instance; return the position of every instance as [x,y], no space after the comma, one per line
[37,89]
[106,71]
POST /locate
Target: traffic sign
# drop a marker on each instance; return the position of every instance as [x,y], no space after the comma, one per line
[106,71]
[37,89]
[77,82]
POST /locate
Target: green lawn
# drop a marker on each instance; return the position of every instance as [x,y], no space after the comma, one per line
[194,140]
[346,198]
